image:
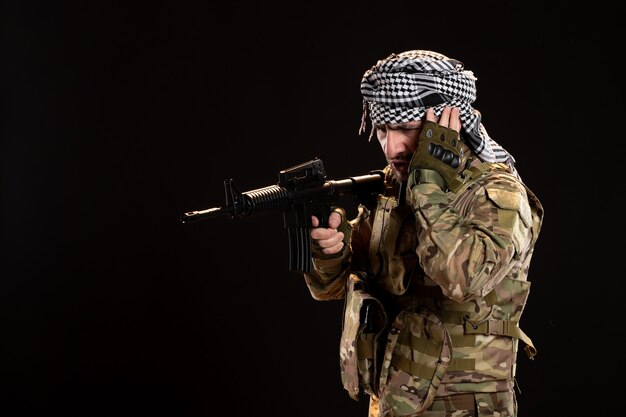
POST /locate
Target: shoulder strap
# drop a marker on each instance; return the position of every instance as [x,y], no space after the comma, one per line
[474,172]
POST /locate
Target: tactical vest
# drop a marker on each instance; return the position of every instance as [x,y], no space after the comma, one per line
[411,342]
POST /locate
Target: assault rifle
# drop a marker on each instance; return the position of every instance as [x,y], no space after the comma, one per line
[302,191]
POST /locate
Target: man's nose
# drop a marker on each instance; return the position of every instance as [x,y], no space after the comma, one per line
[395,144]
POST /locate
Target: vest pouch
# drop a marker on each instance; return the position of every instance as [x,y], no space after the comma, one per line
[364,320]
[415,361]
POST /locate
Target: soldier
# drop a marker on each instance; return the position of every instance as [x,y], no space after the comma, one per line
[434,275]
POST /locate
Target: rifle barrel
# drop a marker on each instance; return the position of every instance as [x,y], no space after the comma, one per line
[192,216]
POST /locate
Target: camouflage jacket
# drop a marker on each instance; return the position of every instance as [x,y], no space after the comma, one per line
[465,255]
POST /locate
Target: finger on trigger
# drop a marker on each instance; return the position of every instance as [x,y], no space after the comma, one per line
[314,221]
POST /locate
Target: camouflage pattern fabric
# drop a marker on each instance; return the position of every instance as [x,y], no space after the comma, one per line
[360,345]
[416,359]
[500,404]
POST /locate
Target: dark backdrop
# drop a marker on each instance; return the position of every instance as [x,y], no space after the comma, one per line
[117,118]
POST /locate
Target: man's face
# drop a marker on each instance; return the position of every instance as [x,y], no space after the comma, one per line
[399,142]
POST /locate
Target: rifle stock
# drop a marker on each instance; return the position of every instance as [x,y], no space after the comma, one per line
[302,191]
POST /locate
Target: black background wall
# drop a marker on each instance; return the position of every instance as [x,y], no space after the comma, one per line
[117,118]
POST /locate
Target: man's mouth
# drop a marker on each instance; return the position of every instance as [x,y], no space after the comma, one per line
[400,166]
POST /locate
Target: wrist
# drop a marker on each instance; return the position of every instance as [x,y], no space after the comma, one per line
[329,266]
[426,176]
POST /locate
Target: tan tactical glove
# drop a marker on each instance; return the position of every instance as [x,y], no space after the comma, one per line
[439,158]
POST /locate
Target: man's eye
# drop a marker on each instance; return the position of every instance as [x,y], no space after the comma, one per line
[381,128]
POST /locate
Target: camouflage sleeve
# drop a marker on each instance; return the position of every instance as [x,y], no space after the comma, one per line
[327,279]
[468,254]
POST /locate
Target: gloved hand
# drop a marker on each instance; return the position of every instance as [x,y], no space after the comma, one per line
[329,242]
[439,158]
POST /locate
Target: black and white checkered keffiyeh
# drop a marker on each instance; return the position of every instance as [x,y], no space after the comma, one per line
[401,87]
